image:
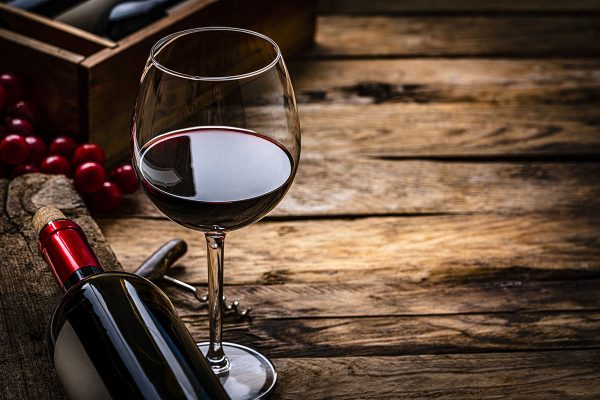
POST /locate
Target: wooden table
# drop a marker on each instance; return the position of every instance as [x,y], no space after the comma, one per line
[442,238]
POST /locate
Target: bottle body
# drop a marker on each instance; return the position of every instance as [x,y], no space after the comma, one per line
[48,8]
[116,335]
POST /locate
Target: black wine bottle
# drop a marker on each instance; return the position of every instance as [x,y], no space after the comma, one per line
[116,19]
[48,8]
[114,334]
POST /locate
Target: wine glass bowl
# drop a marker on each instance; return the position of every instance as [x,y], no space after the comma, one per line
[215,145]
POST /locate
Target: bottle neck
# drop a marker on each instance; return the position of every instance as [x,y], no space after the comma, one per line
[67,252]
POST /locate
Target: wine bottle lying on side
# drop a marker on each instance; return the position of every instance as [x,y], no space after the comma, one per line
[48,8]
[114,334]
[115,19]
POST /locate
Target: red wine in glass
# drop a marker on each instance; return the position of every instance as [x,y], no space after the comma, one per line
[214,178]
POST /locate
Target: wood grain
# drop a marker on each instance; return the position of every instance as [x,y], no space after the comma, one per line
[331,300]
[28,292]
[555,375]
[345,185]
[455,7]
[425,334]
[458,36]
[439,80]
[390,249]
[449,130]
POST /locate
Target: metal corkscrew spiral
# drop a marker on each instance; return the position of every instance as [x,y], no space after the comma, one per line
[156,266]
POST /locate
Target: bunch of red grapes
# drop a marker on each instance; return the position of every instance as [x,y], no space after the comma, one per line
[24,152]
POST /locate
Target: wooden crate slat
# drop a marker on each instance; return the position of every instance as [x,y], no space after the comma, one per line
[366,250]
[343,36]
[52,32]
[554,375]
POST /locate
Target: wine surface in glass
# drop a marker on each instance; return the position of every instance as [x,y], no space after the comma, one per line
[214,178]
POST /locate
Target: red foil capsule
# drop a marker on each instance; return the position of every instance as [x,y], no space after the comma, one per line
[66,250]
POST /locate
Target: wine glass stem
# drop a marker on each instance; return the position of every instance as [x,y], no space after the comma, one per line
[216,356]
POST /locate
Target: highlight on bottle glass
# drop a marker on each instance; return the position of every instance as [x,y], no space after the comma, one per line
[216,144]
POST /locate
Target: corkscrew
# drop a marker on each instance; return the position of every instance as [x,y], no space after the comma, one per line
[157,265]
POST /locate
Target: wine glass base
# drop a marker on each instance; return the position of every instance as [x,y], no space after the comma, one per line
[251,376]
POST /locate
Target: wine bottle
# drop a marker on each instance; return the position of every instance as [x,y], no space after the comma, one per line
[115,19]
[114,334]
[48,8]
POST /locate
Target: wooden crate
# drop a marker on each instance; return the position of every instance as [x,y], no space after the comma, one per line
[86,85]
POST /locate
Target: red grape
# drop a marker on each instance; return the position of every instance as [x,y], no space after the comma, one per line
[89,177]
[37,149]
[108,198]
[125,178]
[55,165]
[63,146]
[3,98]
[22,170]
[13,84]
[88,152]
[19,126]
[13,149]
[2,131]
[25,109]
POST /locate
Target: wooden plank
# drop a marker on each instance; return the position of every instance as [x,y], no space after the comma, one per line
[57,86]
[449,130]
[387,336]
[555,375]
[291,23]
[496,81]
[368,250]
[331,300]
[28,292]
[52,32]
[327,186]
[457,36]
[455,7]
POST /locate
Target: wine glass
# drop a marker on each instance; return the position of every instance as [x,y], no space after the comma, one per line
[216,143]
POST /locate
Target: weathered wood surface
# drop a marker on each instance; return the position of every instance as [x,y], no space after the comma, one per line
[353,186]
[458,36]
[442,80]
[521,376]
[449,130]
[456,6]
[434,248]
[398,298]
[424,334]
[441,238]
[28,292]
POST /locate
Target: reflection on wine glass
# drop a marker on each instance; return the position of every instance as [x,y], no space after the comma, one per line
[216,144]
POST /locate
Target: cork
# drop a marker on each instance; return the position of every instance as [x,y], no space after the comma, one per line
[45,215]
